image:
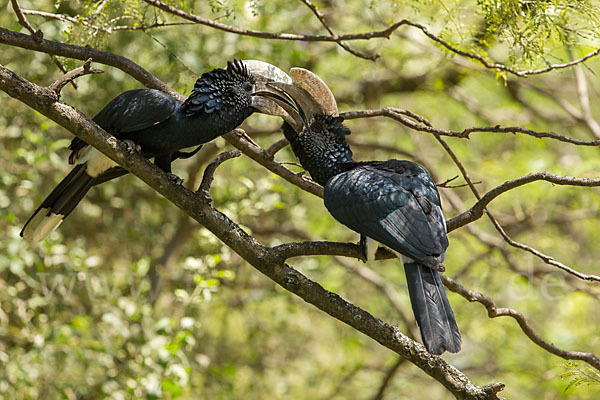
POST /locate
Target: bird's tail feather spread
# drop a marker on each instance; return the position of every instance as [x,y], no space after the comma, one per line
[432,310]
[59,203]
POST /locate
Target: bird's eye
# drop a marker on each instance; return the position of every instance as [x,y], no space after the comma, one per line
[316,127]
[247,86]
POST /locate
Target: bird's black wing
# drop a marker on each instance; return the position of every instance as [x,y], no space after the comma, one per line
[394,202]
[397,204]
[130,111]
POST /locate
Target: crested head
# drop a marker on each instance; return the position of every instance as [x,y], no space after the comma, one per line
[321,147]
[222,89]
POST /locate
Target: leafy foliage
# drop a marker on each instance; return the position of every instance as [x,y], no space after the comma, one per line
[578,374]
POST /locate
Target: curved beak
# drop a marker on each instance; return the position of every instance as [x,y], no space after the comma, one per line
[296,98]
[269,99]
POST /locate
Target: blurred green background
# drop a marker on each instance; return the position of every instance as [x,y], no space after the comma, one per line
[79,318]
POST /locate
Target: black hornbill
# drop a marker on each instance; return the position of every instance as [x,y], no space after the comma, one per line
[160,126]
[393,202]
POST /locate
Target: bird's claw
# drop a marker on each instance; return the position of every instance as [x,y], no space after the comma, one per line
[174,178]
[249,139]
[132,147]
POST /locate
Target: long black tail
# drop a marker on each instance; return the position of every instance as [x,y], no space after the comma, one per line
[59,203]
[432,309]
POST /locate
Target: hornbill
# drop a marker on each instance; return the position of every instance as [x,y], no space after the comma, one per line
[160,126]
[394,202]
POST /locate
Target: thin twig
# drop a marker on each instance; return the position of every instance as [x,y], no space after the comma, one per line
[497,66]
[85,69]
[335,36]
[21,17]
[393,113]
[275,147]
[209,172]
[387,378]
[269,35]
[386,33]
[109,29]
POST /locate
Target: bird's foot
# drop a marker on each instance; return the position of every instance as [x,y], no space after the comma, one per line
[174,178]
[132,147]
[362,244]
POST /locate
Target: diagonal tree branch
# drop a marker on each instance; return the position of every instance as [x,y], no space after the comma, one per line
[265,158]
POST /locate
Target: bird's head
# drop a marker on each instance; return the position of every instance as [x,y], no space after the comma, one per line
[238,90]
[313,125]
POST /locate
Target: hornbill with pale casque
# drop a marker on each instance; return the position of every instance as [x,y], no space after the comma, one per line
[160,126]
[395,203]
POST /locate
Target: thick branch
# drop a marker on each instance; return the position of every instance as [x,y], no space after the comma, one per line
[262,258]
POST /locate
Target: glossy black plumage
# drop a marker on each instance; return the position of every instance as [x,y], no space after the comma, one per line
[160,125]
[393,202]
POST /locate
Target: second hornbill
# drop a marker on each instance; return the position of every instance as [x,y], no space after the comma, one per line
[160,126]
[394,202]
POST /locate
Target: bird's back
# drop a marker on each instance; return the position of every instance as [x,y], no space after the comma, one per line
[394,202]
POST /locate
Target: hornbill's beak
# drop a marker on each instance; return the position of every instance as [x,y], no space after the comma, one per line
[265,98]
[306,96]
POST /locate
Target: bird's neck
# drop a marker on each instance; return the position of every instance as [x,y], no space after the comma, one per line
[323,159]
[326,167]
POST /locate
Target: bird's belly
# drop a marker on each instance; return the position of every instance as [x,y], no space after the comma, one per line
[174,135]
